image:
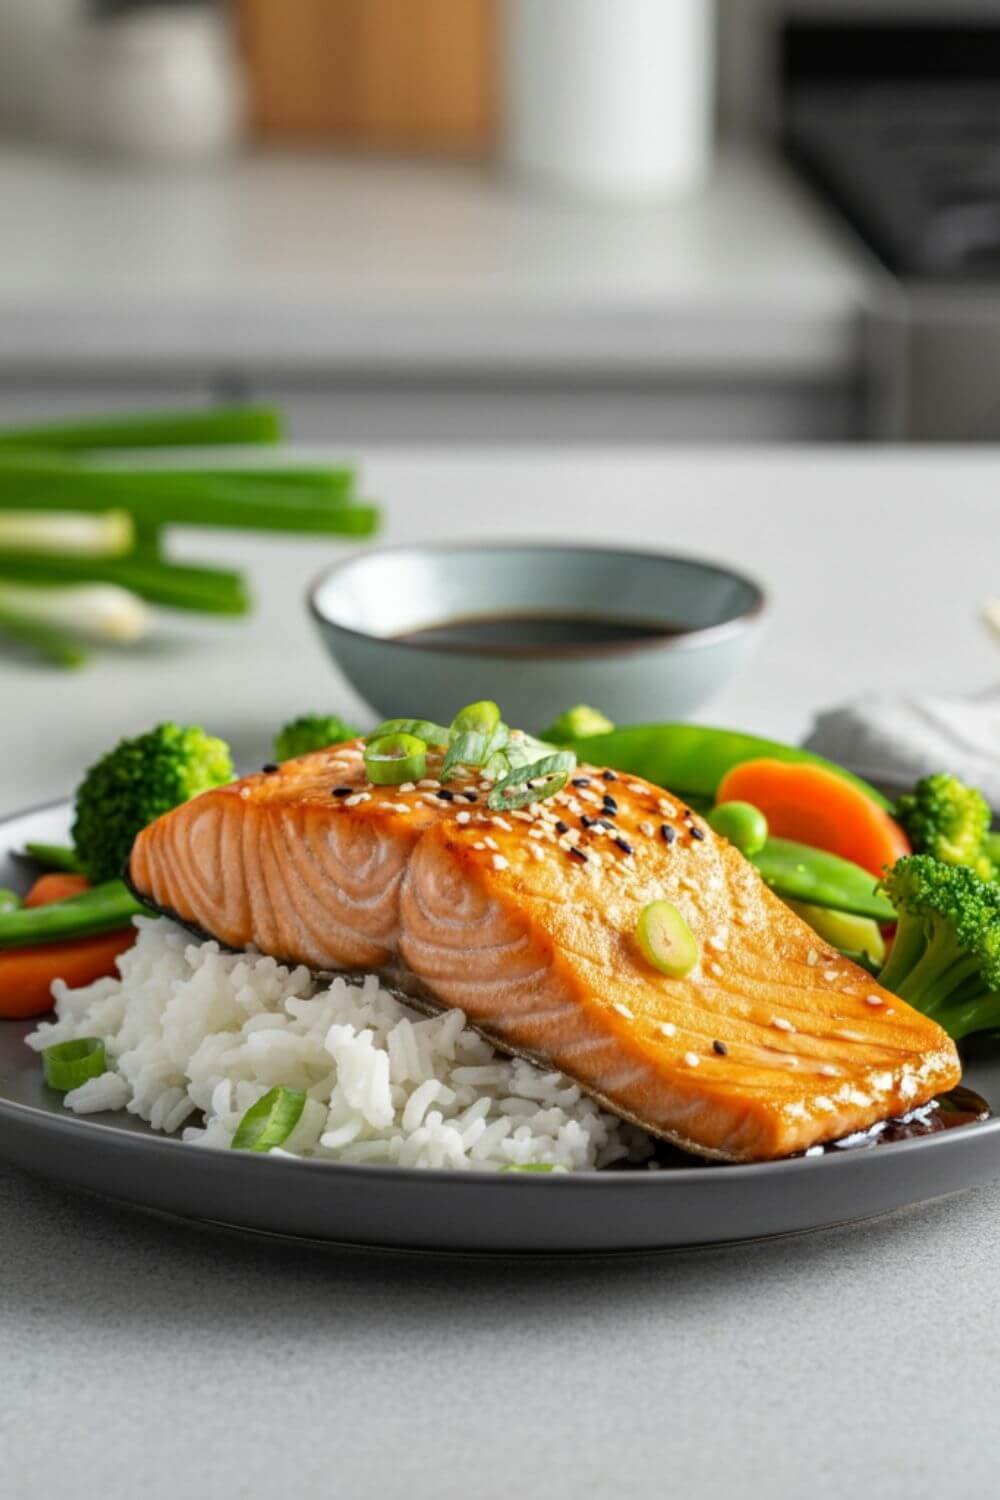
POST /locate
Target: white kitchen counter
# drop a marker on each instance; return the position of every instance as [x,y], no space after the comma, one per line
[313,263]
[149,1358]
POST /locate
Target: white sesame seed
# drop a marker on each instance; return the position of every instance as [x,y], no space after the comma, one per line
[501,823]
[692,1059]
[623,1010]
[244,792]
[874,1000]
[537,851]
[829,1071]
[717,970]
[829,975]
[429,781]
[718,942]
[491,843]
[479,844]
[499,863]
[667,808]
[812,958]
[463,817]
[780,1024]
[408,786]
[536,833]
[668,1028]
[647,829]
[358,797]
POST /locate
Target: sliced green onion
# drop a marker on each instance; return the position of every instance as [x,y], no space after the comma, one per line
[68,1064]
[532,783]
[270,1121]
[423,729]
[395,758]
[9,901]
[666,940]
[476,736]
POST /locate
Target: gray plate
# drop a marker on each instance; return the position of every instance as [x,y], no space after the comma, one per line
[120,1157]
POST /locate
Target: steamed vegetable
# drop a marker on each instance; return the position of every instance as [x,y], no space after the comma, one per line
[949,820]
[102,908]
[945,959]
[311,732]
[813,805]
[691,760]
[744,825]
[577,723]
[800,873]
[134,784]
[850,934]
[28,973]
[53,856]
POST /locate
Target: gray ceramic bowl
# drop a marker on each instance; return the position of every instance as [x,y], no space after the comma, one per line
[364,605]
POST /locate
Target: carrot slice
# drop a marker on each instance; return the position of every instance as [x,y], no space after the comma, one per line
[59,886]
[812,805]
[27,974]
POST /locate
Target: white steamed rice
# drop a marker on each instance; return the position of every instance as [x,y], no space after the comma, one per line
[195,1036]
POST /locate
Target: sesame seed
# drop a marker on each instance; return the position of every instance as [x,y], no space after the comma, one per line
[471,796]
[623,845]
[667,808]
[501,823]
[610,805]
[720,1049]
[580,781]
[578,854]
[463,817]
[668,1028]
[244,792]
[586,822]
[622,1010]
[829,975]
[667,834]
[445,795]
[717,970]
[561,827]
[499,863]
[269,769]
[408,786]
[874,1000]
[781,1024]
[829,1071]
[812,958]
[692,1059]
[536,833]
[358,797]
[428,782]
[479,844]
[647,829]
[537,851]
[718,942]
[342,791]
[609,776]
[491,843]
[697,833]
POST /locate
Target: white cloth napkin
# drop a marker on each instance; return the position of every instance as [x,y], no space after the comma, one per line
[905,738]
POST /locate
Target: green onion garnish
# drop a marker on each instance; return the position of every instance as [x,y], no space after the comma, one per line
[423,729]
[477,735]
[68,1064]
[394,758]
[270,1121]
[666,940]
[532,783]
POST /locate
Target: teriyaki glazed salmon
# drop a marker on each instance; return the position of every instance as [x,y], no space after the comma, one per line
[539,923]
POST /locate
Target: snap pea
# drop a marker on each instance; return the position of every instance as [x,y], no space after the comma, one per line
[101,909]
[54,856]
[801,873]
[690,760]
[9,901]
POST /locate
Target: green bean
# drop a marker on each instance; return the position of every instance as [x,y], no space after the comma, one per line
[102,909]
[690,760]
[801,873]
[54,856]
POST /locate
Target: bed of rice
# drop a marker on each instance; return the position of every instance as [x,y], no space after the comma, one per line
[195,1036]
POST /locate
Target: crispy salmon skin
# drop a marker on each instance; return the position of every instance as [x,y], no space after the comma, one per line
[526,921]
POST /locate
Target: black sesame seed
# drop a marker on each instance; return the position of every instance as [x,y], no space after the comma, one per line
[623,845]
[580,781]
[667,834]
[720,1048]
[609,776]
[607,823]
[342,791]
[445,795]
[586,822]
[697,833]
[269,769]
[610,805]
[578,854]
[561,827]
[471,796]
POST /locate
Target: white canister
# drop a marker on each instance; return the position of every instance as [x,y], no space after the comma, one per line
[611,98]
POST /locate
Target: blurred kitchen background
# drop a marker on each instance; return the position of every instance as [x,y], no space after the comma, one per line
[507,220]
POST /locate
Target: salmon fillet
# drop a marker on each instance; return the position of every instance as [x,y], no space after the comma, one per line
[526,921]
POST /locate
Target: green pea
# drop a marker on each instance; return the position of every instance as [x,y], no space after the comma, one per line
[742,824]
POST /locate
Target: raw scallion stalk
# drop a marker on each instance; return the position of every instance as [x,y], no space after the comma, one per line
[394,758]
[93,612]
[68,1064]
[270,1121]
[423,729]
[173,585]
[532,783]
[53,645]
[108,533]
[161,497]
[171,429]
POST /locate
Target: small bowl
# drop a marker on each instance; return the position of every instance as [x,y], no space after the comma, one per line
[364,605]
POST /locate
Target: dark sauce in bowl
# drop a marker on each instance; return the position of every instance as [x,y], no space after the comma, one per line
[538,631]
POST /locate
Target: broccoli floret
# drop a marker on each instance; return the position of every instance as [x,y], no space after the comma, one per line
[949,820]
[311,732]
[578,723]
[136,783]
[945,959]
